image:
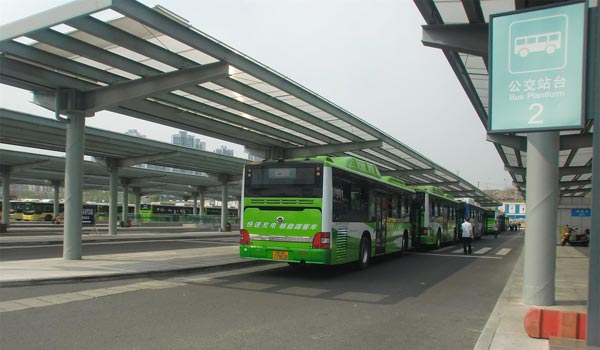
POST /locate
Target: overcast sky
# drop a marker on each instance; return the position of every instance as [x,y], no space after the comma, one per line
[364,56]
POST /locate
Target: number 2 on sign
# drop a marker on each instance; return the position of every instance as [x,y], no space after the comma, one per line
[538,108]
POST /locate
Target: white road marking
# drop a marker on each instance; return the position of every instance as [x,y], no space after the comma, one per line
[443,249]
[503,251]
[482,251]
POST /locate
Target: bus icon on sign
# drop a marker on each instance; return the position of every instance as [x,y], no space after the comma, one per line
[537,44]
[547,42]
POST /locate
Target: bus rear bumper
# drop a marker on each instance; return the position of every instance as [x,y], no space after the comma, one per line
[292,255]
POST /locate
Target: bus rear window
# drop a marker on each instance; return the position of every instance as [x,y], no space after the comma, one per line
[283,182]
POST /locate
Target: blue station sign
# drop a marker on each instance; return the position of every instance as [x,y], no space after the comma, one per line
[581,212]
[537,69]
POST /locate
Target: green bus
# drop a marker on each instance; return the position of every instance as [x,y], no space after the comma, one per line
[437,216]
[323,210]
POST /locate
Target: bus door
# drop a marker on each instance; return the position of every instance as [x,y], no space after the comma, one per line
[381,216]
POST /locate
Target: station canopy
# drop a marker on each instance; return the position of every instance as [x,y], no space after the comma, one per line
[45,170]
[149,63]
[460,30]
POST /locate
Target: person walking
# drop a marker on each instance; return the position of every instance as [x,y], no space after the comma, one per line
[467,236]
[496,228]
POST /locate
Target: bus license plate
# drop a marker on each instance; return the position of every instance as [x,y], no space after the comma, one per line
[280,255]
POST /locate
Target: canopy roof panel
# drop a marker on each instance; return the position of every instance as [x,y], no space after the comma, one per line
[468,59]
[112,52]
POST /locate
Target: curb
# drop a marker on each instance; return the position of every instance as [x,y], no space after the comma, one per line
[109,239]
[131,275]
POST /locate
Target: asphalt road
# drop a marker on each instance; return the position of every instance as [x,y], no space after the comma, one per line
[56,250]
[423,300]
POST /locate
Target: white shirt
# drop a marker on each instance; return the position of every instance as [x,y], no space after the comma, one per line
[466,229]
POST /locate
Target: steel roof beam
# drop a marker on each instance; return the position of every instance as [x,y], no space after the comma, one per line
[561,184]
[519,143]
[131,161]
[466,38]
[437,184]
[328,149]
[59,63]
[408,172]
[474,11]
[18,72]
[271,101]
[132,42]
[568,171]
[257,112]
[52,17]
[169,115]
[120,93]
[231,117]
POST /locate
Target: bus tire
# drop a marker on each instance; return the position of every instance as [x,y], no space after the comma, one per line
[438,240]
[48,218]
[364,253]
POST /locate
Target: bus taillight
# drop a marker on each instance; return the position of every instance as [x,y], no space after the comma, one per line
[244,237]
[321,241]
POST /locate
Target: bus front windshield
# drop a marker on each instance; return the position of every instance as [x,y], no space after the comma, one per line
[284,181]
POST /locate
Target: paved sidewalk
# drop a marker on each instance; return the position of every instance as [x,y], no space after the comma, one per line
[503,331]
[112,266]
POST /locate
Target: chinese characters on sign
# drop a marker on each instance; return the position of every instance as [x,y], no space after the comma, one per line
[283,226]
[537,69]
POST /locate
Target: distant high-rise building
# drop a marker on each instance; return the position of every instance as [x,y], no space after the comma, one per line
[183,139]
[224,151]
[198,144]
[254,158]
[134,132]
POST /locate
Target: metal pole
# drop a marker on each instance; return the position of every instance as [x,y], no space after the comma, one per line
[138,200]
[201,204]
[224,197]
[195,209]
[540,238]
[125,208]
[5,171]
[593,321]
[56,210]
[73,186]
[56,199]
[114,198]
[593,88]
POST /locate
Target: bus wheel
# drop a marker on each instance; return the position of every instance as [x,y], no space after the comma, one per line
[364,253]
[48,218]
[438,241]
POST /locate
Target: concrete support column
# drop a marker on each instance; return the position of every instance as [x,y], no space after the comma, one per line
[195,208]
[201,204]
[75,144]
[593,110]
[125,211]
[593,321]
[224,199]
[540,238]
[56,186]
[138,201]
[114,199]
[5,172]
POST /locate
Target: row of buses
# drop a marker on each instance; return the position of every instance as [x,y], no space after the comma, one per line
[326,210]
[43,210]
